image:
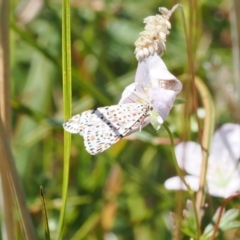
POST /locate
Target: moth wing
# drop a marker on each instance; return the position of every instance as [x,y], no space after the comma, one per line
[116,122]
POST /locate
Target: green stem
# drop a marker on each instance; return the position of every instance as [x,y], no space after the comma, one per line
[208,128]
[191,71]
[67,104]
[190,191]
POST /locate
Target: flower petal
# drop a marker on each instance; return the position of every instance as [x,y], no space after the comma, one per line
[223,177]
[133,93]
[154,85]
[162,100]
[175,183]
[189,157]
[227,140]
[142,74]
[225,191]
[153,68]
[127,95]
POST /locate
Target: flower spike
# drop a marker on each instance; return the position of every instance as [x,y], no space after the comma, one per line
[152,39]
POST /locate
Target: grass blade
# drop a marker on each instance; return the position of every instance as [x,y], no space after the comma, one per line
[67,104]
[45,217]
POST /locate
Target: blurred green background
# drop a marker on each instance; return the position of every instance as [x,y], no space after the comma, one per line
[119,191]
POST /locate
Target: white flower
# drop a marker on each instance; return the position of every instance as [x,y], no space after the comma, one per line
[154,85]
[152,39]
[223,173]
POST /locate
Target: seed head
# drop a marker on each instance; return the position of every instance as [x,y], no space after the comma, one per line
[152,39]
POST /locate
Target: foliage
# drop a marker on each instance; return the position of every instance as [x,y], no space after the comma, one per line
[119,191]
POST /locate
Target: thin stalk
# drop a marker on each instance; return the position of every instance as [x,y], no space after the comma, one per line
[190,191]
[235,32]
[7,162]
[88,225]
[67,104]
[45,216]
[4,66]
[191,71]
[208,128]
[12,191]
[221,212]
[5,187]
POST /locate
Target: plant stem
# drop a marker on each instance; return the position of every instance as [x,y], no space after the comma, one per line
[190,191]
[7,164]
[67,104]
[208,128]
[220,213]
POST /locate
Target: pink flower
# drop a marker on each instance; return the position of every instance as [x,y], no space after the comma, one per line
[154,85]
[223,173]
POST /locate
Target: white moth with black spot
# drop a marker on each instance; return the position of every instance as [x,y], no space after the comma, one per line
[104,126]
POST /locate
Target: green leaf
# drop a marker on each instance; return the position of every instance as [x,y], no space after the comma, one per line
[179,101]
[230,215]
[227,222]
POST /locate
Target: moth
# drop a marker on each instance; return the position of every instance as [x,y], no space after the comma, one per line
[105,126]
